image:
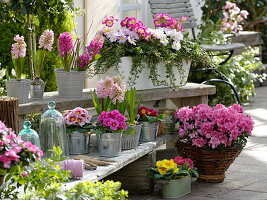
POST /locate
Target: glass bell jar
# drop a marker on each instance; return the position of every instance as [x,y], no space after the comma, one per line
[53,131]
[28,134]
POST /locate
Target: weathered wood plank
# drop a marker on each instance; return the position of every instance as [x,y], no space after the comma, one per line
[223,47]
[182,11]
[166,6]
[189,90]
[169,1]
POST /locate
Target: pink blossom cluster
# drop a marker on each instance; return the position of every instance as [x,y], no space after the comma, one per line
[137,26]
[78,116]
[65,43]
[46,40]
[147,111]
[233,18]
[180,161]
[164,20]
[112,120]
[92,50]
[203,125]
[14,150]
[113,88]
[109,21]
[19,48]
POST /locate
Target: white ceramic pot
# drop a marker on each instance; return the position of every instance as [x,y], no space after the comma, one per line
[19,89]
[70,84]
[143,81]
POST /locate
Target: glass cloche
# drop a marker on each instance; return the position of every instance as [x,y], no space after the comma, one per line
[53,131]
[28,134]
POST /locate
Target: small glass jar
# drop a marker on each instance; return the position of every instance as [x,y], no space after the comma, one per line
[168,124]
[28,134]
[53,131]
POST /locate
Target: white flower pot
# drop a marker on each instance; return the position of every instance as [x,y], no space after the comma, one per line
[70,84]
[143,81]
[19,89]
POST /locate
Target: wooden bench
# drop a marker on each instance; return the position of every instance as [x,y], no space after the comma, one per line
[130,167]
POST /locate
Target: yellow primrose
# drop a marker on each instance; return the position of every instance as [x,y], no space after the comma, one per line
[165,165]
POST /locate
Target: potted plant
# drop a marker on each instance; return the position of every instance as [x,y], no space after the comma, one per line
[150,119]
[46,42]
[109,130]
[175,176]
[14,151]
[78,126]
[212,137]
[131,141]
[70,79]
[148,58]
[109,95]
[18,87]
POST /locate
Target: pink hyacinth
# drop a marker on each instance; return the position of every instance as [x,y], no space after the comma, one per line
[96,44]
[65,44]
[46,40]
[114,88]
[18,48]
[84,60]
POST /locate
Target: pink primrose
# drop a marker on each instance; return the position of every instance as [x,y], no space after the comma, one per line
[71,118]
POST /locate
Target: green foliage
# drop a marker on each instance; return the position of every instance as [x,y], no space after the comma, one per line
[42,179]
[240,69]
[131,105]
[212,10]
[56,15]
[109,190]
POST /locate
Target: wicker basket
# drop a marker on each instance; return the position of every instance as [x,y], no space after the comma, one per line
[211,163]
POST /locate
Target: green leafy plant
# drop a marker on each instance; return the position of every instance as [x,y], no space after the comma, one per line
[131,106]
[158,46]
[41,179]
[239,69]
[97,191]
[172,169]
[54,14]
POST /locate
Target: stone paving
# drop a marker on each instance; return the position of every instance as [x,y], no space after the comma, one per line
[246,179]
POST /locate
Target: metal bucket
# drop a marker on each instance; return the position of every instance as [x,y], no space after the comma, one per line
[19,89]
[109,144]
[70,84]
[131,141]
[37,89]
[79,143]
[149,131]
